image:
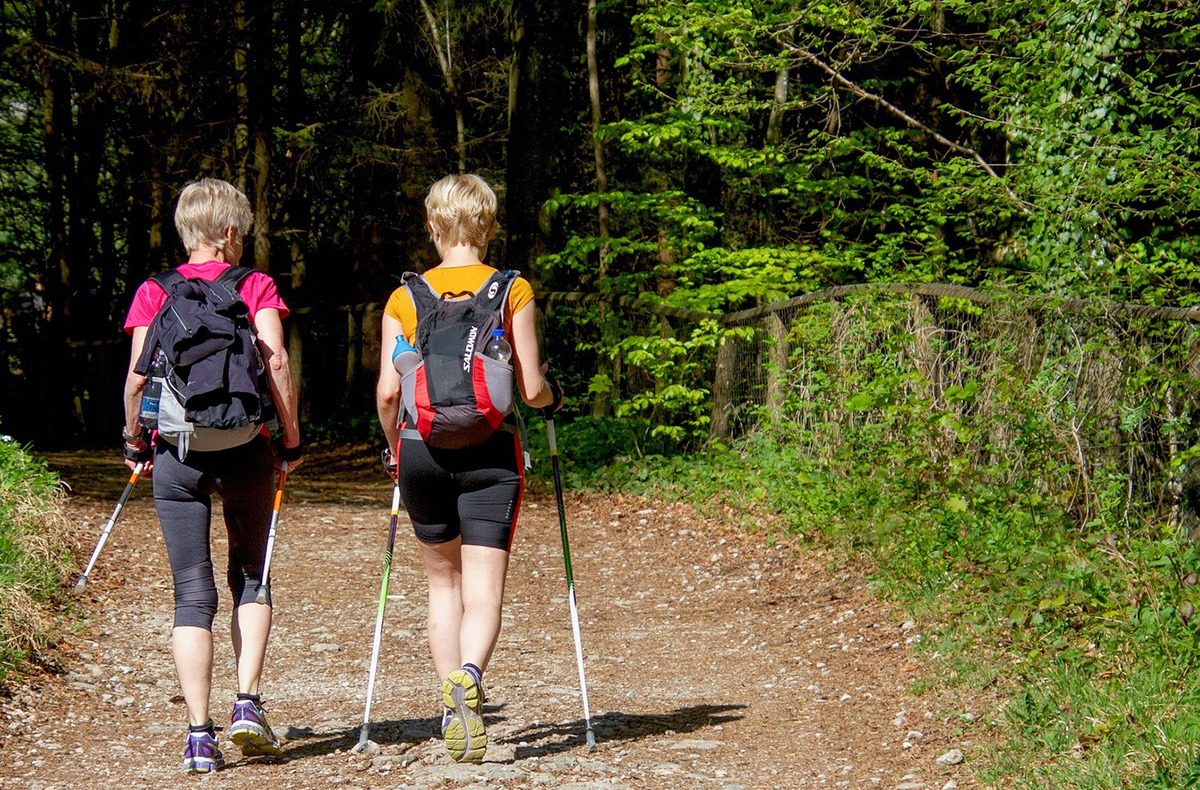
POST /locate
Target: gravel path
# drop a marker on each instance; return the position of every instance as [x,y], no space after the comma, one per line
[713,660]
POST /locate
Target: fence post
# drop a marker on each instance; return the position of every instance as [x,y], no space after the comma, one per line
[354,347]
[723,388]
[372,323]
[778,353]
[924,327]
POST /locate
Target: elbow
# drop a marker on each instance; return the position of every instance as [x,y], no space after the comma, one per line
[387,398]
[278,362]
[134,384]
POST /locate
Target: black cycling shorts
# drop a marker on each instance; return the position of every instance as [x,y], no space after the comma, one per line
[474,492]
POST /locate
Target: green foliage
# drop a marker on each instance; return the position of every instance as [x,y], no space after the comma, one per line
[1011,484]
[347,428]
[1050,146]
[33,559]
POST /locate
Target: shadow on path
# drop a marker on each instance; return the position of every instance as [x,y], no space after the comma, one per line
[305,742]
[546,739]
[617,726]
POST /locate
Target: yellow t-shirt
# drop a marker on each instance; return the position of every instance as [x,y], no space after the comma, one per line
[455,280]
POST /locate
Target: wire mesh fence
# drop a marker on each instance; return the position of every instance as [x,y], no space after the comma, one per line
[996,380]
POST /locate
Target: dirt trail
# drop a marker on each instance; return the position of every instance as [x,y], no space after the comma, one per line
[713,661]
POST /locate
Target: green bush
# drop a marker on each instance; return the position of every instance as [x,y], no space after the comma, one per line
[34,559]
[1011,484]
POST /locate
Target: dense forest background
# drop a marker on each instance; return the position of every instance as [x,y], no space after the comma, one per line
[912,279]
[701,157]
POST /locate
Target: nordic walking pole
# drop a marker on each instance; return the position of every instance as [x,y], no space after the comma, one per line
[265,583]
[383,591]
[133,478]
[562,523]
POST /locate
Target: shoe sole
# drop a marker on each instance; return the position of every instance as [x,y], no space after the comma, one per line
[255,744]
[465,736]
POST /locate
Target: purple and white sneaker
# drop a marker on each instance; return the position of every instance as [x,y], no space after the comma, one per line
[200,752]
[248,729]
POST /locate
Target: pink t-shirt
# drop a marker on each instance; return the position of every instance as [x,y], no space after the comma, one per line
[257,291]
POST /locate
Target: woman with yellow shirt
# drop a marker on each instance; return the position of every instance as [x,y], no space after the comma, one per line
[463,502]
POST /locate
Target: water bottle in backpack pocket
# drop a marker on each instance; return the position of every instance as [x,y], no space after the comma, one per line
[152,391]
[497,347]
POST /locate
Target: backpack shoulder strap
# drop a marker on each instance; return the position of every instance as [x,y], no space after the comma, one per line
[169,279]
[493,294]
[424,297]
[232,277]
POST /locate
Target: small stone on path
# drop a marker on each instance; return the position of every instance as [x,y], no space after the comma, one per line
[952,757]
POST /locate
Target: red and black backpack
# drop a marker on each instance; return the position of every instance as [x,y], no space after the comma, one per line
[456,397]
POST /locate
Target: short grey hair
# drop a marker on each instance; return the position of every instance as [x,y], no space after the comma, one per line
[463,210]
[206,208]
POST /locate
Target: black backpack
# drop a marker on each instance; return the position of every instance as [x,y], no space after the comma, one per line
[215,392]
[456,397]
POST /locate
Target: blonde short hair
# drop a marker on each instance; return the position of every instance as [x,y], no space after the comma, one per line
[206,208]
[462,208]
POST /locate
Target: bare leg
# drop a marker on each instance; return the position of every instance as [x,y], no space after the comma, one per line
[250,626]
[443,569]
[483,572]
[466,591]
[192,648]
[466,588]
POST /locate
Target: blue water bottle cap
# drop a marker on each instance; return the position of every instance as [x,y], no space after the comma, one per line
[498,332]
[402,346]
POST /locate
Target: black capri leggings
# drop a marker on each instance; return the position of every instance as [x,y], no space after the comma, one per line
[474,493]
[244,479]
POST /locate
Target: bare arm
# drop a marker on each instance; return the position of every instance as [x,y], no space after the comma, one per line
[387,390]
[269,327]
[134,383]
[526,360]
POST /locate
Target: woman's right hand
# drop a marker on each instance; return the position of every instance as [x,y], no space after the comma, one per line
[139,452]
[556,392]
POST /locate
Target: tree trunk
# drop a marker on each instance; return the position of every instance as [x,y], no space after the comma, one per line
[48,378]
[538,109]
[443,53]
[601,401]
[259,81]
[241,67]
[297,203]
[664,272]
[364,28]
[775,122]
[597,143]
[50,21]
[723,388]
[777,367]
[93,110]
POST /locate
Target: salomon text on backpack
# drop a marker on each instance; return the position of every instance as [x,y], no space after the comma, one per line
[455,396]
[215,393]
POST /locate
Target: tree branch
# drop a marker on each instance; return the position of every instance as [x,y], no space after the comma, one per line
[841,80]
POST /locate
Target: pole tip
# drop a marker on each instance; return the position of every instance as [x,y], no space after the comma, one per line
[262,595]
[365,745]
[79,585]
[591,740]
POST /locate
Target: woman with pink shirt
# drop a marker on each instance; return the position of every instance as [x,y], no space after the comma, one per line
[212,218]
